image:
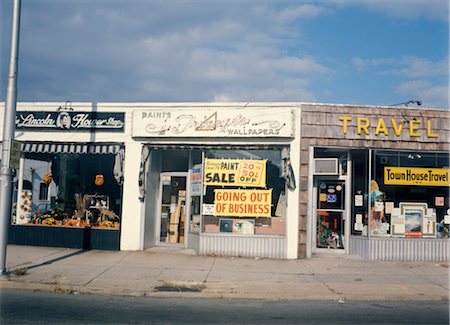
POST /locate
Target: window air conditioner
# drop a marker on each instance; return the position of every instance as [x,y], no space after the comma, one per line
[326,166]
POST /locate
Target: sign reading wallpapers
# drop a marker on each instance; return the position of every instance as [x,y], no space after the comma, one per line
[218,122]
[70,121]
[242,203]
[416,176]
[235,172]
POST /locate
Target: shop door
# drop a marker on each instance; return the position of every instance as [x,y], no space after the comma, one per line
[330,214]
[173,209]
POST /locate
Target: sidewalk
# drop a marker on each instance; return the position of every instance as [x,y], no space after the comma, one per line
[166,272]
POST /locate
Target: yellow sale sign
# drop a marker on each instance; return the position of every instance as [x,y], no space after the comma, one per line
[235,172]
[242,203]
[416,176]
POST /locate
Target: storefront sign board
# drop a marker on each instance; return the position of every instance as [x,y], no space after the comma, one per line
[416,176]
[235,172]
[214,122]
[70,121]
[242,203]
[415,128]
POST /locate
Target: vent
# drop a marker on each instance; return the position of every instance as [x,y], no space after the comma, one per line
[326,166]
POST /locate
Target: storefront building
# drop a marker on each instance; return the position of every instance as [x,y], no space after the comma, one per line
[375,182]
[274,180]
[69,180]
[219,178]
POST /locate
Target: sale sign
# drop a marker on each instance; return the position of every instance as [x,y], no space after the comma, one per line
[235,172]
[242,203]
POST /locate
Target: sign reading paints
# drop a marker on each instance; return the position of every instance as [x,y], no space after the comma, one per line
[416,176]
[242,203]
[235,172]
[214,122]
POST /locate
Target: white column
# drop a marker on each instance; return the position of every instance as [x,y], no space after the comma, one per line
[132,211]
[293,197]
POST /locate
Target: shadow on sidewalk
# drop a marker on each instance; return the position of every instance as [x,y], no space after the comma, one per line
[24,269]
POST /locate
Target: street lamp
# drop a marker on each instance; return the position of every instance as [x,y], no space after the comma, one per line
[8,136]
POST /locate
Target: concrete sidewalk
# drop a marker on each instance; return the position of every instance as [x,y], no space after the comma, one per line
[167,272]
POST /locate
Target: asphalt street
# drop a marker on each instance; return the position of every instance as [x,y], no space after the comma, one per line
[28,307]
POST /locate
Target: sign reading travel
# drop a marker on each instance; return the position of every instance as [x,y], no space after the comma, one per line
[414,127]
[242,203]
[235,172]
[214,122]
[416,176]
[70,121]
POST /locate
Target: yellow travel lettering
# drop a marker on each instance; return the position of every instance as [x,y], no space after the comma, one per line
[397,128]
[363,124]
[413,127]
[345,121]
[429,133]
[381,127]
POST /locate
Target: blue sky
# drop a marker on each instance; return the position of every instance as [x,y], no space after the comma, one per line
[338,51]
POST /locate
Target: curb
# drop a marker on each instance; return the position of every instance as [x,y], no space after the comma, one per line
[76,290]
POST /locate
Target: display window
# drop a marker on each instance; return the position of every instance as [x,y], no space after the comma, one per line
[409,195]
[243,192]
[70,190]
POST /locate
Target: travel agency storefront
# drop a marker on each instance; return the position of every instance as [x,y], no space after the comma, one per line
[68,186]
[219,178]
[375,182]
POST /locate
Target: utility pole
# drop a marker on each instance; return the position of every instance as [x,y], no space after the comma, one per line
[8,136]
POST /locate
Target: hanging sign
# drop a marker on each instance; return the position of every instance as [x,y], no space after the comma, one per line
[196,180]
[14,154]
[235,172]
[242,203]
[416,176]
[70,121]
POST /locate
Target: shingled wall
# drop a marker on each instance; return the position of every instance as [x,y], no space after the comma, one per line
[321,127]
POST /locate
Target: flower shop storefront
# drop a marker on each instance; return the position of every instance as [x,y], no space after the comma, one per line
[68,194]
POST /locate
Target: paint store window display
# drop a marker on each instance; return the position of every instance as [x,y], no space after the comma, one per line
[409,195]
[244,193]
[69,190]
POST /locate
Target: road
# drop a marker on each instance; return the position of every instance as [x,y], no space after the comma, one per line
[27,307]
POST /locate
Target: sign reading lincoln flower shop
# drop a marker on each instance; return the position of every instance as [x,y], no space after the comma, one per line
[70,121]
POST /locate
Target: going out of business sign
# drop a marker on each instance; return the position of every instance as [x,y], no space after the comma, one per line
[416,176]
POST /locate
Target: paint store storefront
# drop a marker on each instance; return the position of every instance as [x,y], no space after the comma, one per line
[219,179]
[377,180]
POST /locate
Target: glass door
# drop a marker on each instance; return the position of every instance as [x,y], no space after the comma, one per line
[172,208]
[330,214]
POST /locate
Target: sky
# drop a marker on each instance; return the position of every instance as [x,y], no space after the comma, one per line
[362,52]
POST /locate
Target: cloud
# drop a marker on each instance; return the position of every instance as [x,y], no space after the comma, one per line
[404,9]
[158,52]
[430,94]
[409,66]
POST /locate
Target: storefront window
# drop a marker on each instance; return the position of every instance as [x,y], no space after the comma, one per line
[243,192]
[360,170]
[71,190]
[409,195]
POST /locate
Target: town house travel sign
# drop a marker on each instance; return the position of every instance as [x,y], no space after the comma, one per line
[70,121]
